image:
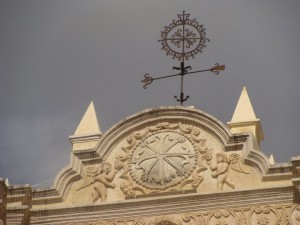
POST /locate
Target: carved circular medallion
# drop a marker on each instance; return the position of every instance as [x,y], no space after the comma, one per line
[162,159]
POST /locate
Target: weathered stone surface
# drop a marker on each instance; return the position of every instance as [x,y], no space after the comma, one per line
[167,165]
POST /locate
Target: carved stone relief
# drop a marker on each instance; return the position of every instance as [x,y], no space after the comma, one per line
[101,177]
[162,160]
[165,220]
[161,157]
[224,217]
[295,215]
[221,166]
[283,216]
[172,157]
[263,216]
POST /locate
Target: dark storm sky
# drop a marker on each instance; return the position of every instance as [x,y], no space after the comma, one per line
[56,56]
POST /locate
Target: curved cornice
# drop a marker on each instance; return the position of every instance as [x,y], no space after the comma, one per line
[172,114]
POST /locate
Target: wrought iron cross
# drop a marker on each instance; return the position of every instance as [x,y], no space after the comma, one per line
[183,39]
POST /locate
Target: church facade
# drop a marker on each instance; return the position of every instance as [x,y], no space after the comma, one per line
[164,166]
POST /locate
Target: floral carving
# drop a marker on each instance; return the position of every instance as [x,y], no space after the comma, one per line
[264,215]
[263,220]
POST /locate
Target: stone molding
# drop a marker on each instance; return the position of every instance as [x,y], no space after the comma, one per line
[265,204]
[259,214]
[150,117]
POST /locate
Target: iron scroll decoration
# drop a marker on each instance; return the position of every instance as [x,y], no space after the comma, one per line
[183,39]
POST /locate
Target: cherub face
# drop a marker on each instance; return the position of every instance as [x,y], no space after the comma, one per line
[106,168]
[220,158]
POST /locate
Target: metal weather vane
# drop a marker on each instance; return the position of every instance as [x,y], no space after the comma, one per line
[182,40]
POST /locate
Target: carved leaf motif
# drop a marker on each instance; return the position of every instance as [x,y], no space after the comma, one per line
[131,191]
[120,162]
[139,222]
[202,147]
[242,219]
[140,134]
[196,179]
[131,141]
[165,221]
[284,218]
[185,128]
[237,164]
[195,135]
[164,125]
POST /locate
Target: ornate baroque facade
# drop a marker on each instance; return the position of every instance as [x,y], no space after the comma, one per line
[164,166]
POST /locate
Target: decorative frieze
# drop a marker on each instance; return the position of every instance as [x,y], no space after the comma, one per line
[258,215]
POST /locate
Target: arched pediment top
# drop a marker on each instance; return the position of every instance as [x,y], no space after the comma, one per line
[165,150]
[167,114]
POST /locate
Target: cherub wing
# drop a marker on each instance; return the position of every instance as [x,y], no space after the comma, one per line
[237,164]
[89,177]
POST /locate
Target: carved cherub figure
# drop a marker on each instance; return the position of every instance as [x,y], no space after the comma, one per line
[103,175]
[221,168]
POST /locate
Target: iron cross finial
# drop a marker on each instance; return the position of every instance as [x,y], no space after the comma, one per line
[183,39]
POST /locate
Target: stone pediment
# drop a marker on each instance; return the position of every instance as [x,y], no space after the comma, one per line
[167,165]
[165,151]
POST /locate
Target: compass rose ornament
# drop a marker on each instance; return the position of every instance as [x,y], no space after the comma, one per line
[183,39]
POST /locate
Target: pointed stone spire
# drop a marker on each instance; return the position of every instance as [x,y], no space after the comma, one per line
[244,119]
[88,131]
[271,159]
[244,110]
[89,122]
